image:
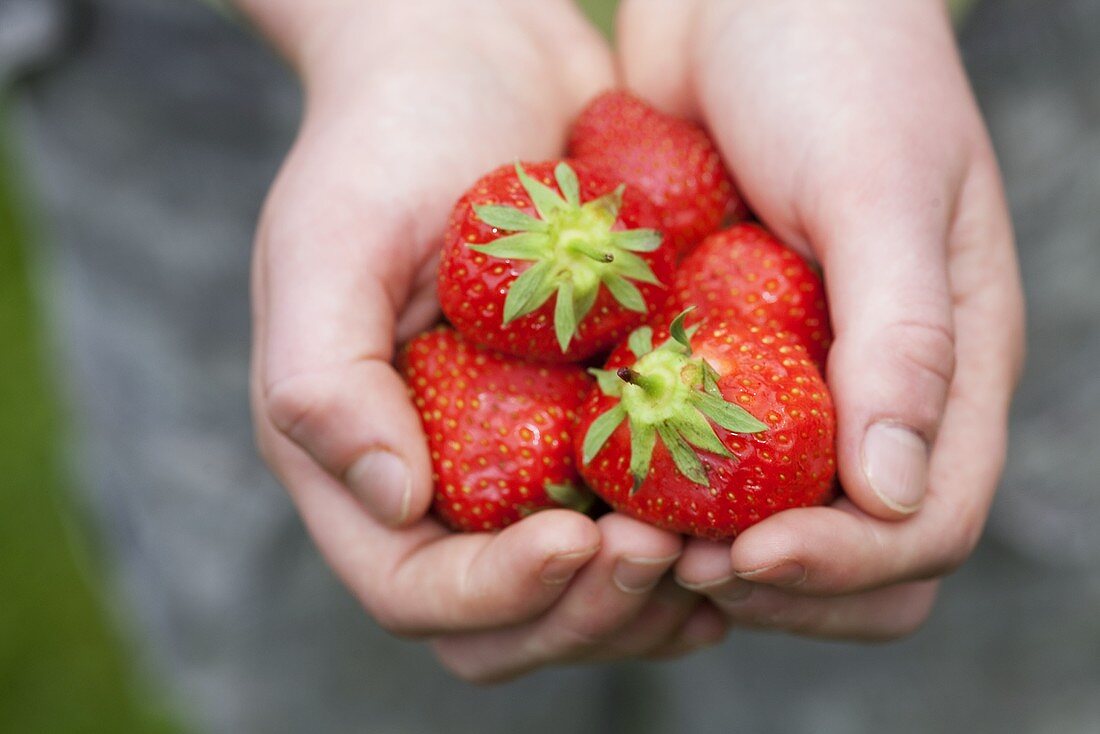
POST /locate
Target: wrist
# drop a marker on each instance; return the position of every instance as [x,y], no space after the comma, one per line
[293,27]
[315,35]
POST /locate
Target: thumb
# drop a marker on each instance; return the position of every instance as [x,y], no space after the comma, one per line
[893,359]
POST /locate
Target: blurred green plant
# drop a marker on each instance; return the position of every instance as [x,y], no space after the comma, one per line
[62,667]
[602,13]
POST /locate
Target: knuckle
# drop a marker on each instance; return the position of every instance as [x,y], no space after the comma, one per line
[292,404]
[913,615]
[967,534]
[925,349]
[475,676]
[920,355]
[964,519]
[387,616]
[578,635]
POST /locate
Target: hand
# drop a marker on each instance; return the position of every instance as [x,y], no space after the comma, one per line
[852,132]
[407,104]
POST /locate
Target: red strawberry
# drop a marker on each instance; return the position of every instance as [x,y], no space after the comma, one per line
[708,433]
[672,160]
[499,430]
[584,262]
[745,274]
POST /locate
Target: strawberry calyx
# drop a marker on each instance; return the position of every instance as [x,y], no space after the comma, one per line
[573,250]
[570,496]
[671,395]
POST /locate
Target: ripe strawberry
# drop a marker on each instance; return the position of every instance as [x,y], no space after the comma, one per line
[745,274]
[672,160]
[710,432]
[499,430]
[584,263]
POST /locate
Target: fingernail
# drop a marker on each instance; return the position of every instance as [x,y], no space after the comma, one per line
[382,482]
[728,590]
[895,462]
[561,568]
[639,575]
[786,573]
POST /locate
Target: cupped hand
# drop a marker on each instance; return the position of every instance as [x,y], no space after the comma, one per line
[852,132]
[406,105]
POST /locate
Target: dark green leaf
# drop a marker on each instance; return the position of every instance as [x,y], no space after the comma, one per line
[601,430]
[565,318]
[728,415]
[508,218]
[685,458]
[521,246]
[567,182]
[625,292]
[529,291]
[641,341]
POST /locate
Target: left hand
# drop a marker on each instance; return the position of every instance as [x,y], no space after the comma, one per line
[852,132]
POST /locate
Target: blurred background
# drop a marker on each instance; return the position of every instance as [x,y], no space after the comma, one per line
[66,665]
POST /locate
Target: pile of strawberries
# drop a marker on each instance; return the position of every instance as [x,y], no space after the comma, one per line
[710,412]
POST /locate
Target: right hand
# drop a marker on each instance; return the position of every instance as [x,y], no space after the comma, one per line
[407,103]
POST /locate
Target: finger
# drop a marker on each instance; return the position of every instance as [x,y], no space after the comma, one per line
[606,595]
[424,580]
[706,627]
[660,620]
[705,568]
[660,78]
[884,614]
[826,551]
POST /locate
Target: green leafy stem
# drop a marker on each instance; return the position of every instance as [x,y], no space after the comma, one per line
[669,395]
[574,251]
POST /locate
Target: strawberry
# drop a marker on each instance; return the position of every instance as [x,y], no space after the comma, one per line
[552,262]
[672,160]
[745,274]
[709,433]
[499,430]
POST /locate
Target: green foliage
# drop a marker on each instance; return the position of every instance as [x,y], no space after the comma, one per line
[62,668]
[602,13]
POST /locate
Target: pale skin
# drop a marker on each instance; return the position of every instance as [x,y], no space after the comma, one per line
[853,134]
